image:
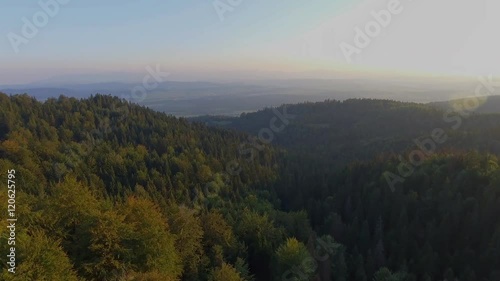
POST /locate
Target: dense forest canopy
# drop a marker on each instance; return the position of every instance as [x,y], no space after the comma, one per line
[109,190]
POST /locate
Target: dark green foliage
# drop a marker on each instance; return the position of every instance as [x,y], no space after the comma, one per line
[125,193]
[441,215]
[114,191]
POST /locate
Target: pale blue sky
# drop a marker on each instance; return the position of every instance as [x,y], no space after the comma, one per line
[187,37]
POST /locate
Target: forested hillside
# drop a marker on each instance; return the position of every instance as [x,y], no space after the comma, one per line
[490,104]
[349,165]
[108,190]
[439,223]
[342,131]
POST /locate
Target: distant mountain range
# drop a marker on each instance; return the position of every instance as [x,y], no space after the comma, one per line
[488,104]
[206,98]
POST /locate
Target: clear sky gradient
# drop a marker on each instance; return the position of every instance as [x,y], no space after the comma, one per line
[256,39]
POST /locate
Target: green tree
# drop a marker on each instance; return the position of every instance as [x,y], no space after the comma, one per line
[186,225]
[107,254]
[150,242]
[225,273]
[293,261]
[383,274]
[38,258]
